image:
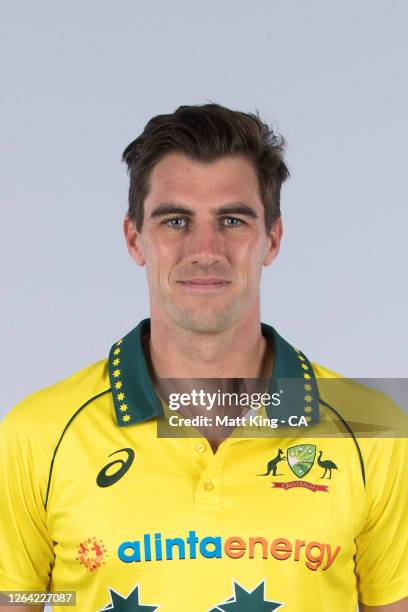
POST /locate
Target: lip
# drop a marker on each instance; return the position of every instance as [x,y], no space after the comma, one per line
[204,283]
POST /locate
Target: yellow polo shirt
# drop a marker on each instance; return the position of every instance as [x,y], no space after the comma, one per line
[93,501]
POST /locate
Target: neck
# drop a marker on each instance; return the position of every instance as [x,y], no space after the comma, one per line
[239,352]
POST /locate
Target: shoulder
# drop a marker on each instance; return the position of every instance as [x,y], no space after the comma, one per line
[43,413]
[30,431]
[379,425]
[361,402]
[323,372]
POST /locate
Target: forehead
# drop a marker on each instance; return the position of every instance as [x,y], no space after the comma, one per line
[179,179]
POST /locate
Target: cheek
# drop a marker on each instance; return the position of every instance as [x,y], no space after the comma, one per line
[248,257]
[164,248]
[160,262]
[152,250]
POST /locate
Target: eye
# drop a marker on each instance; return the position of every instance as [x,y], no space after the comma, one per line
[175,222]
[232,222]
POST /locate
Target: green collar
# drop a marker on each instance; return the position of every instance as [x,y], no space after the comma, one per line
[135,399]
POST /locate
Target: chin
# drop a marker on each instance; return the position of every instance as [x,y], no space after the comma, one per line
[205,321]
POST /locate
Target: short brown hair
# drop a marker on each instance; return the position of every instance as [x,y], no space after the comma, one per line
[206,133]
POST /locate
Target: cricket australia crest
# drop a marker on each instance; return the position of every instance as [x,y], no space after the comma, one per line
[301,458]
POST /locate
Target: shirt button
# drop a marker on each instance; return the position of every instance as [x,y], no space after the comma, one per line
[208,485]
[200,447]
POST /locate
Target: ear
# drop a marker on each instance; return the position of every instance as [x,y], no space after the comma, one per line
[132,237]
[274,240]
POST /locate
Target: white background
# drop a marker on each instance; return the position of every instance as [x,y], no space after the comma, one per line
[79,82]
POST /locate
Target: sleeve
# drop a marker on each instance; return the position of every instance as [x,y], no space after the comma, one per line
[26,550]
[382,545]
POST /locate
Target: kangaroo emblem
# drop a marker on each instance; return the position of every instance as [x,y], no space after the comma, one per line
[273,464]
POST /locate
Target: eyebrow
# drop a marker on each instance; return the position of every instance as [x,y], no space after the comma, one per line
[234,208]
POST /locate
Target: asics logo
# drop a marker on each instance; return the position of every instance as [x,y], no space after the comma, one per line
[104,479]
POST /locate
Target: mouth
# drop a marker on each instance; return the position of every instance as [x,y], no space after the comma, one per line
[204,284]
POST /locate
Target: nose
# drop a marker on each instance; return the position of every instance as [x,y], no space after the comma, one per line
[204,245]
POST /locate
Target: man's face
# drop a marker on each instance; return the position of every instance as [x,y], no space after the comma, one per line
[203,242]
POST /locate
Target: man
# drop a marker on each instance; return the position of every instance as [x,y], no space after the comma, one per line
[95,501]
